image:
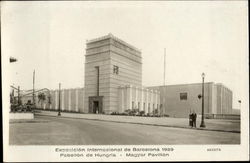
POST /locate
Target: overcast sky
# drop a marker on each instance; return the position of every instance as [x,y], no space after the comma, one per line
[50,37]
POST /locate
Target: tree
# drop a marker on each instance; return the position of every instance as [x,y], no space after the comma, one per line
[41,98]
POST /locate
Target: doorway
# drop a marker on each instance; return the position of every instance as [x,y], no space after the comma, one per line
[95,104]
[96,107]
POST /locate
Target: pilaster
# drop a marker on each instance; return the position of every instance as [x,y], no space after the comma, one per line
[69,104]
[62,100]
[76,106]
[56,100]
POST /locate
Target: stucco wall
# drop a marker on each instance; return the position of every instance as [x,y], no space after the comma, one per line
[175,107]
[217,99]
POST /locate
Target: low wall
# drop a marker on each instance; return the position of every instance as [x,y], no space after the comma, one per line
[222,116]
[21,116]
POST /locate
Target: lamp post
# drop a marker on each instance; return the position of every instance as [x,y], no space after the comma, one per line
[33,95]
[59,106]
[18,96]
[202,111]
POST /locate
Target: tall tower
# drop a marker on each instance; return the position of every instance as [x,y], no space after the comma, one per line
[109,63]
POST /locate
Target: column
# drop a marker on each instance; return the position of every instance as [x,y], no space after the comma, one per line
[56,100]
[154,94]
[83,101]
[129,94]
[152,100]
[50,105]
[136,98]
[69,104]
[156,103]
[158,98]
[146,102]
[119,99]
[142,101]
[122,99]
[76,109]
[62,100]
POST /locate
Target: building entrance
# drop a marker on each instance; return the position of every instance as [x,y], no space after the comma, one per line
[95,104]
[96,107]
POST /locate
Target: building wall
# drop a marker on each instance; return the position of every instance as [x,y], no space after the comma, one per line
[107,52]
[175,107]
[71,100]
[224,99]
[101,59]
[217,99]
[236,111]
[128,60]
[214,99]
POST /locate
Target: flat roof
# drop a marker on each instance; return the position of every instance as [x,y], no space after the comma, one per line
[221,84]
[111,36]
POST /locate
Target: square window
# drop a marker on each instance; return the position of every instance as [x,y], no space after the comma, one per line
[183,96]
[115,69]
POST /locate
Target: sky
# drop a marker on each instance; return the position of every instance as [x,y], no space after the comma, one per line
[205,36]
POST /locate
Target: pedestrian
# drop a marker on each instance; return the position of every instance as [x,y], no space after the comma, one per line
[190,120]
[194,116]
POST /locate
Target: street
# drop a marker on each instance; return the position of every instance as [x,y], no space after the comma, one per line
[48,130]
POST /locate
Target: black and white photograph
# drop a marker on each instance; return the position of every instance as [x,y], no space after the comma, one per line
[125,80]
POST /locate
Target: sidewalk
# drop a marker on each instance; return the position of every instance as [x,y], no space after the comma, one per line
[211,124]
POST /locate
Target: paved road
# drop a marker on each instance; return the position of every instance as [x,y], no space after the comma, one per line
[68,131]
[211,124]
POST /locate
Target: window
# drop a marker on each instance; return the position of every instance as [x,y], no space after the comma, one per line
[115,69]
[183,96]
[133,104]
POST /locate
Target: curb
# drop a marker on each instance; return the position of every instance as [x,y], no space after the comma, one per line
[149,124]
[28,121]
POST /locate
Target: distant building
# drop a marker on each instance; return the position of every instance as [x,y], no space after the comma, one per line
[180,100]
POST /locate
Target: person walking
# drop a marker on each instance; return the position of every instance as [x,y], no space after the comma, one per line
[194,116]
[190,119]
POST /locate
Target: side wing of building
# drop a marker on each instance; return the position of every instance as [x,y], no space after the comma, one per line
[180,100]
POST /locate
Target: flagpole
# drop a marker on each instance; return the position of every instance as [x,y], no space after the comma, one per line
[164,79]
